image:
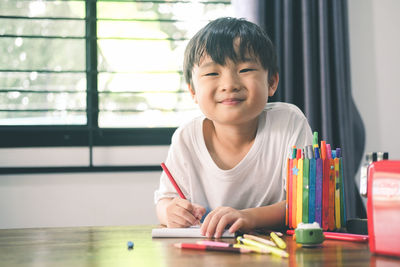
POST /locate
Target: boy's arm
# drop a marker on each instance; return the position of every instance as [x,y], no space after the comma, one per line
[272,216]
[178,212]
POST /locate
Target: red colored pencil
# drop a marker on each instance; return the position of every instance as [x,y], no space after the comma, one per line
[211,248]
[331,197]
[172,180]
[346,237]
[340,236]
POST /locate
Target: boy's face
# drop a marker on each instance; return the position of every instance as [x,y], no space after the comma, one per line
[232,94]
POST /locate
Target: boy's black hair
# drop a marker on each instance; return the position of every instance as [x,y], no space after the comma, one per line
[217,38]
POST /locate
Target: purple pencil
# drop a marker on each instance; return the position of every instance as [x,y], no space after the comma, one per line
[318,188]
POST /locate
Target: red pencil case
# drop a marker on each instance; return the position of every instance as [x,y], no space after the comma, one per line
[384,207]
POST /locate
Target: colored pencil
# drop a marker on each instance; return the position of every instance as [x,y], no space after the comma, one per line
[289,201]
[306,188]
[299,207]
[325,194]
[169,175]
[332,185]
[273,250]
[340,236]
[253,249]
[318,187]
[288,206]
[337,194]
[211,248]
[294,193]
[342,196]
[260,239]
[214,243]
[278,241]
[311,204]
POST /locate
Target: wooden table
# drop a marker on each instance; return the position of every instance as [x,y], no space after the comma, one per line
[107,246]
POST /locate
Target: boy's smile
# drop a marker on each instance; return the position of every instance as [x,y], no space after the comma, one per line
[231,101]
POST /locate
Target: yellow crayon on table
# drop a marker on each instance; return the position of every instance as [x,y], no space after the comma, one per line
[252,248]
[273,250]
[260,239]
[278,241]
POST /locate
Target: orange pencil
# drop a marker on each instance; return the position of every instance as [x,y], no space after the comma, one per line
[323,150]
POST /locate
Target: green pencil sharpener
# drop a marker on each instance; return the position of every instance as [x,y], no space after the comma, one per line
[309,234]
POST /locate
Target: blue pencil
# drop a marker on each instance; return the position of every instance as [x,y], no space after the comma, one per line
[311,209]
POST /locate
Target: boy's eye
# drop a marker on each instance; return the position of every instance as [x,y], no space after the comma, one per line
[245,70]
[211,74]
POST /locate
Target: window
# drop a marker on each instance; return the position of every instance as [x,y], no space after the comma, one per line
[87,73]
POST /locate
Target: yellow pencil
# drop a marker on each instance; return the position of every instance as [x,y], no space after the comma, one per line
[260,239]
[279,242]
[253,249]
[273,250]
[299,211]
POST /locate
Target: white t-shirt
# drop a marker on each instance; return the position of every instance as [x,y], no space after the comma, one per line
[257,180]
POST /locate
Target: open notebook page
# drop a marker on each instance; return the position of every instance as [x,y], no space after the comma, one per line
[193,231]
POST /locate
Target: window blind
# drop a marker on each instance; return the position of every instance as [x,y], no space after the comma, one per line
[102,72]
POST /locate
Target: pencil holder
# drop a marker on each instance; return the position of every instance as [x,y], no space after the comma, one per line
[315,187]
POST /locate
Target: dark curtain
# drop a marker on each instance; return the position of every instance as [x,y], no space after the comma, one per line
[312,42]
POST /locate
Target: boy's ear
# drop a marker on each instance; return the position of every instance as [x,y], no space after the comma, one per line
[192,92]
[273,84]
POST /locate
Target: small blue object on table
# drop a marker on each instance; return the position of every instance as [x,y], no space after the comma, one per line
[130,245]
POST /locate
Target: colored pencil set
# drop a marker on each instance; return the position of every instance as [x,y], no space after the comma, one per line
[245,244]
[315,187]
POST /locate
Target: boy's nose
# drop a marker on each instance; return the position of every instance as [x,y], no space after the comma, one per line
[230,82]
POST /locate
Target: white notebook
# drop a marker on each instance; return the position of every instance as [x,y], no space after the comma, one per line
[193,231]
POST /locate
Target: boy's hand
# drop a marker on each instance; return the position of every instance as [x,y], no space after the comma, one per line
[216,221]
[181,213]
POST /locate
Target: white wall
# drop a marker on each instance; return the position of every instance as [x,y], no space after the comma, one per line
[375,55]
[95,199]
[374,52]
[79,199]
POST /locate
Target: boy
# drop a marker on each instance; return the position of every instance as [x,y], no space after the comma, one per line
[232,159]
